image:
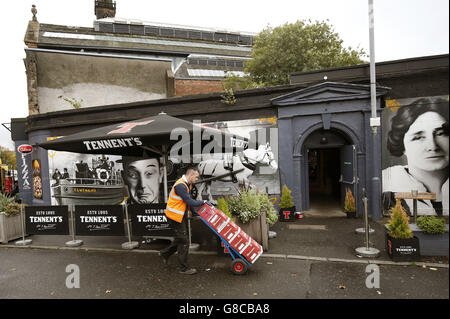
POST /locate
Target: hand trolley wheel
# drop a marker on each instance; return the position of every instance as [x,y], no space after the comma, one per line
[239,267]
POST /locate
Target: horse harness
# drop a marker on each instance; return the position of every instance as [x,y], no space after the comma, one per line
[245,161]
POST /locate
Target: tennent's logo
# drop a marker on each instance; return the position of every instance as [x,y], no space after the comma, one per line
[286,214]
[127,127]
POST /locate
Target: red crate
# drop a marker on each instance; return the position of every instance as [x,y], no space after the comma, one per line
[246,246]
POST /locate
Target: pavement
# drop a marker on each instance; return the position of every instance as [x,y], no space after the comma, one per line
[323,237]
[50,274]
[311,258]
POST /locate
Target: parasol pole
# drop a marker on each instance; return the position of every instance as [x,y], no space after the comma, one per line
[164,149]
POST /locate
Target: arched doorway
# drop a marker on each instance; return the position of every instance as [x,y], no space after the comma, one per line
[331,169]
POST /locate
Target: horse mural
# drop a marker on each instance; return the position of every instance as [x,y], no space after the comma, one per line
[243,163]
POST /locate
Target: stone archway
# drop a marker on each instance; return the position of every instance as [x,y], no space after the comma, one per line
[324,151]
[329,145]
[330,106]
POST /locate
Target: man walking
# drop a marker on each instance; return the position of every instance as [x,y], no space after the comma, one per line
[177,211]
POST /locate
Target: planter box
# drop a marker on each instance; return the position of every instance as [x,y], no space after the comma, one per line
[403,249]
[287,214]
[431,245]
[351,214]
[257,229]
[10,228]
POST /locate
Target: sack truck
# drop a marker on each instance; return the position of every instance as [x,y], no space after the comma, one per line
[243,249]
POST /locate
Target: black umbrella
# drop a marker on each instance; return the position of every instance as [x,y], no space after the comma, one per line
[133,137]
[154,135]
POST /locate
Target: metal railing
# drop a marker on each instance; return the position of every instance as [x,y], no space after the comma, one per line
[91,181]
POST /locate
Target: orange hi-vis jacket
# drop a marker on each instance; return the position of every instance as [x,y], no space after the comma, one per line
[176,206]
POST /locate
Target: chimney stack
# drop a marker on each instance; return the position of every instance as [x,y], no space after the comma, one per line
[105,9]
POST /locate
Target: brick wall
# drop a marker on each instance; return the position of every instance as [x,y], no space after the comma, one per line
[190,87]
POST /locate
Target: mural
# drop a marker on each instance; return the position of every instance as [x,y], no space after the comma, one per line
[415,153]
[143,179]
[83,179]
[258,168]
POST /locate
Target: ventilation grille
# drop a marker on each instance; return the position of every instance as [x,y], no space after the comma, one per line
[140,29]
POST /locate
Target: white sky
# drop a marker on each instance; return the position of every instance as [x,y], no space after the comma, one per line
[403,28]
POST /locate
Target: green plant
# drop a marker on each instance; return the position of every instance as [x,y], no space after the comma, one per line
[228,97]
[431,225]
[286,198]
[297,47]
[248,205]
[399,223]
[75,103]
[245,206]
[349,205]
[266,204]
[237,83]
[223,206]
[8,157]
[8,206]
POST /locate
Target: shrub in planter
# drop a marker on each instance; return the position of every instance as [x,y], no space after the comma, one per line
[431,225]
[250,210]
[245,206]
[267,206]
[8,206]
[349,206]
[433,236]
[223,206]
[287,208]
[10,220]
[400,241]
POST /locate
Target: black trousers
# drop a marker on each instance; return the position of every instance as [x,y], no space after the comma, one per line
[181,242]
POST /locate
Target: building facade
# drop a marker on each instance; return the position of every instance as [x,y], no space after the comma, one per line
[319,129]
[124,61]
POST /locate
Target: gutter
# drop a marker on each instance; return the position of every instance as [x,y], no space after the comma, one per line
[108,55]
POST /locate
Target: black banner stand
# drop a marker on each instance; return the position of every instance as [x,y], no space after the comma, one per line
[23,242]
[74,242]
[129,244]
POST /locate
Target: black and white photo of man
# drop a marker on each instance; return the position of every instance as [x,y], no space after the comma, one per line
[143,176]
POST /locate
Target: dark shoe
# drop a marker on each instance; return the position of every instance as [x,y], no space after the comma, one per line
[163,258]
[189,271]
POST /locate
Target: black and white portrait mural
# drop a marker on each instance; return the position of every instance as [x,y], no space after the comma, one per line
[416,152]
[144,179]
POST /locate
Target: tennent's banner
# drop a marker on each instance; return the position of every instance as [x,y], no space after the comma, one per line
[99,220]
[47,220]
[149,220]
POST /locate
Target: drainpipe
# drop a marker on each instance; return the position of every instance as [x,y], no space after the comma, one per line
[374,123]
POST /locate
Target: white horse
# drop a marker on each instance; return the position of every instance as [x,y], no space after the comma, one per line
[246,160]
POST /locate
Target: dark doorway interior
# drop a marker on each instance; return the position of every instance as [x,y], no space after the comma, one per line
[324,173]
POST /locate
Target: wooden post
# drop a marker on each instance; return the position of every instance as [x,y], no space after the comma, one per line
[414,193]
[264,231]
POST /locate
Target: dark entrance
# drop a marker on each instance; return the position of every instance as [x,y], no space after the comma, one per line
[324,172]
[329,153]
